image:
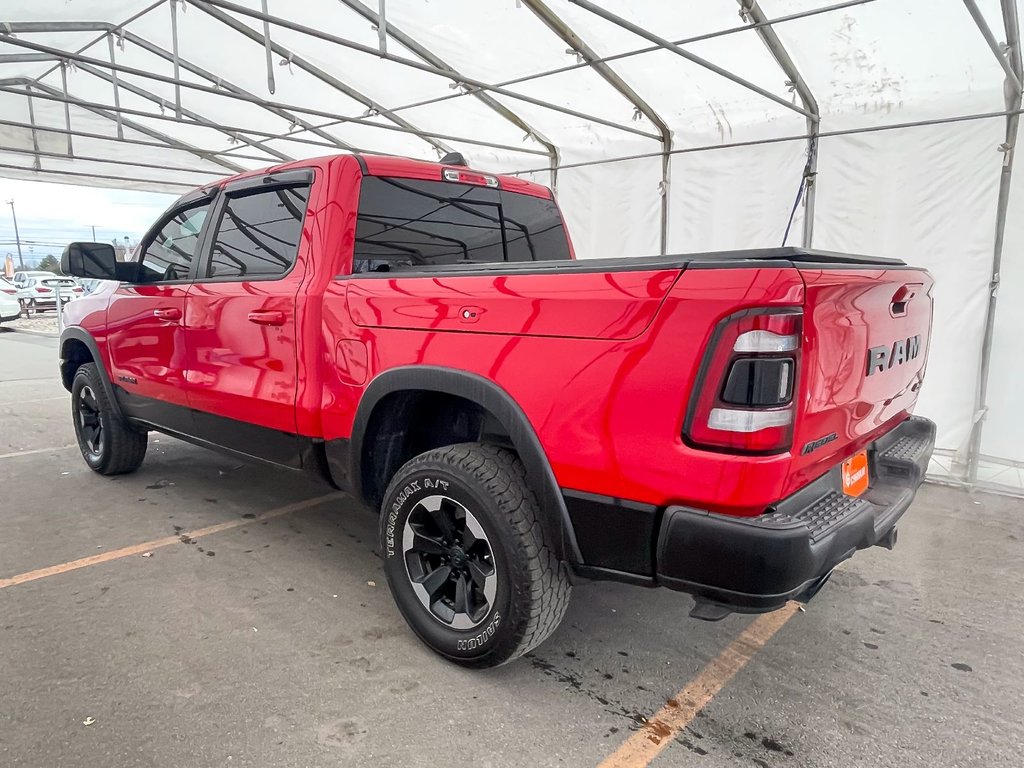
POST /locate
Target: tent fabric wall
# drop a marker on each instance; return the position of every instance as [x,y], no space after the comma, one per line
[926,194]
[1002,445]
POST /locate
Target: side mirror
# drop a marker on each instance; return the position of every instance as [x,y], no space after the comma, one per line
[89,260]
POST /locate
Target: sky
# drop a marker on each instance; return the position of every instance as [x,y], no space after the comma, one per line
[52,215]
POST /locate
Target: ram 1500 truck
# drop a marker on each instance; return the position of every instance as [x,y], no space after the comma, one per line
[731,425]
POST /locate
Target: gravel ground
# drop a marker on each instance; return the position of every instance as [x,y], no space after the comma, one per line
[44,323]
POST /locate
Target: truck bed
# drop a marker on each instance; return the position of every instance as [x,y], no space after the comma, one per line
[787,256]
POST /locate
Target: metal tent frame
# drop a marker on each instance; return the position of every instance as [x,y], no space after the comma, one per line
[309,126]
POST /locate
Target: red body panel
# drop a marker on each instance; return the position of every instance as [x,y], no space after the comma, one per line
[603,363]
[147,352]
[618,305]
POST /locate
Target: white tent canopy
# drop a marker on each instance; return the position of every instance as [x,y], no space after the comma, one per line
[875,126]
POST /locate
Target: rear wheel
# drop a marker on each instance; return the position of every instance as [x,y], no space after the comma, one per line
[108,445]
[466,556]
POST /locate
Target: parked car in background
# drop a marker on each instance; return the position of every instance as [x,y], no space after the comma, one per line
[23,276]
[38,292]
[10,309]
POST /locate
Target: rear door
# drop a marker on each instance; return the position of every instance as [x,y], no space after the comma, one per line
[240,318]
[145,334]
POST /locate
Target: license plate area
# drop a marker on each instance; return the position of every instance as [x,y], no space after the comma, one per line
[855,474]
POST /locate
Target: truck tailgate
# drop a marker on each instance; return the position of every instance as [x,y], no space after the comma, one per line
[866,346]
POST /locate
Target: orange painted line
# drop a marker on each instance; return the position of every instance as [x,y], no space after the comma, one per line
[658,732]
[147,546]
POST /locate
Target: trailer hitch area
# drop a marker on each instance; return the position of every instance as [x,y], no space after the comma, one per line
[888,539]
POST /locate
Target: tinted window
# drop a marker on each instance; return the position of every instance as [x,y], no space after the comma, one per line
[170,255]
[412,224]
[259,233]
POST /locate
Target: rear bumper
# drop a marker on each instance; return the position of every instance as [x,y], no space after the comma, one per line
[754,565]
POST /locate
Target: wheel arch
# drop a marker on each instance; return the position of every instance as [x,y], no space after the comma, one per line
[78,347]
[491,400]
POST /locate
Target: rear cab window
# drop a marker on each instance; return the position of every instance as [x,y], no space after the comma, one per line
[417,225]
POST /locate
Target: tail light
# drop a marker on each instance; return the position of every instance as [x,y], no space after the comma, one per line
[743,400]
[44,289]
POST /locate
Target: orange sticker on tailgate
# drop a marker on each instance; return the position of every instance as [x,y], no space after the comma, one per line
[855,474]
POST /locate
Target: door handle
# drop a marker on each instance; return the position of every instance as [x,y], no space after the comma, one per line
[168,313]
[267,317]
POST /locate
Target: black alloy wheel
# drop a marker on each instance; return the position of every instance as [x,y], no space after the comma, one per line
[90,422]
[450,563]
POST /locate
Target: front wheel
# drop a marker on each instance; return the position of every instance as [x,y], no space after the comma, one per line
[466,557]
[108,445]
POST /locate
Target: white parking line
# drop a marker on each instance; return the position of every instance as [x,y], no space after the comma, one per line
[37,400]
[36,450]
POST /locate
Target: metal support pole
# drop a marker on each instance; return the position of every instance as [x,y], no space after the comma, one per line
[993,44]
[271,85]
[17,237]
[174,54]
[35,136]
[485,98]
[668,45]
[67,107]
[105,176]
[60,309]
[784,139]
[1013,105]
[160,166]
[230,87]
[557,25]
[206,154]
[382,29]
[752,13]
[53,94]
[98,68]
[211,6]
[117,94]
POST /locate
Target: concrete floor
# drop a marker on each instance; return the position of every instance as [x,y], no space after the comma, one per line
[266,645]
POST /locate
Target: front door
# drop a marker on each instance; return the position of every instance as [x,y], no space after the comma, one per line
[240,320]
[145,334]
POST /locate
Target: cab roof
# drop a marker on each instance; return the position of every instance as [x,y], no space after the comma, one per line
[399,167]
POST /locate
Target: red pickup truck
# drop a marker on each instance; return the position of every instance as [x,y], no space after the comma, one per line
[731,425]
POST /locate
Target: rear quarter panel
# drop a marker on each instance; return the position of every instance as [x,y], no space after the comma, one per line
[608,411]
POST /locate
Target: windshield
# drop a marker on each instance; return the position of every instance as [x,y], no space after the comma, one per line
[410,223]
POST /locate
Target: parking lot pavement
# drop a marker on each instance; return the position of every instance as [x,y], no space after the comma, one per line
[274,641]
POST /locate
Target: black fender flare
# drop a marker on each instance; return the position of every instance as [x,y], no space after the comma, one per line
[75,333]
[495,400]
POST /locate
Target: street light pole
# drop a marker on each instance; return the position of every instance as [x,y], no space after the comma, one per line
[17,238]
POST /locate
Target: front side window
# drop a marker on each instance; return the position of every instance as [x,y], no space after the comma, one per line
[420,225]
[169,256]
[259,233]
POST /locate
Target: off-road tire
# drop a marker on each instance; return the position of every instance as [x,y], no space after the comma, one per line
[532,591]
[119,449]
